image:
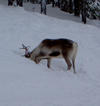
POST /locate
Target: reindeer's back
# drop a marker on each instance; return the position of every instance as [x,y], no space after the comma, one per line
[58,42]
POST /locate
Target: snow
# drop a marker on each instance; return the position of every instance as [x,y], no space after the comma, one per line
[59,14]
[24,83]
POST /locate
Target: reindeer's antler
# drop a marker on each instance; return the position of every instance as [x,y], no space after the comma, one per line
[24,47]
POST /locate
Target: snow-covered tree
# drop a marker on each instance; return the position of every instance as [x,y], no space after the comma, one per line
[93,9]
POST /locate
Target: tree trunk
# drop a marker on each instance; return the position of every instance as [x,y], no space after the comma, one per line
[19,3]
[83,11]
[10,2]
[70,6]
[77,7]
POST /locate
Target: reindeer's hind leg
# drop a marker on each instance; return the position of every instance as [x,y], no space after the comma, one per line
[73,61]
[75,47]
[67,60]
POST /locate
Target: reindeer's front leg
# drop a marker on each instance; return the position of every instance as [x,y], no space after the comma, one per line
[37,60]
[48,62]
[39,57]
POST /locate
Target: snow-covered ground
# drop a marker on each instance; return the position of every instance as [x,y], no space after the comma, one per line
[57,13]
[54,12]
[24,83]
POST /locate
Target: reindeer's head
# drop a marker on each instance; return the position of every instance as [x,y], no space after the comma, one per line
[27,53]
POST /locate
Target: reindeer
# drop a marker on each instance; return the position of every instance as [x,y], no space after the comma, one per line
[54,48]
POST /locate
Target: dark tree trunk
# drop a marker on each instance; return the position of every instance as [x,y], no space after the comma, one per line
[59,3]
[43,7]
[10,2]
[70,6]
[83,11]
[19,3]
[53,3]
[77,7]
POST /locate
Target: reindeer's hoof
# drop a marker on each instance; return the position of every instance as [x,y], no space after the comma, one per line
[48,66]
[74,72]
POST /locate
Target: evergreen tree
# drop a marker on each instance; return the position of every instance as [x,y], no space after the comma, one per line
[93,9]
